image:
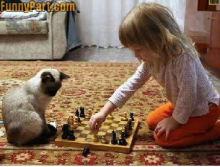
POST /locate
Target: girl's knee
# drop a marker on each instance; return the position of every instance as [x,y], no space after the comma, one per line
[150,121]
[161,141]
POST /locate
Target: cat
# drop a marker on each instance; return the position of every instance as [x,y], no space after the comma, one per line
[23,108]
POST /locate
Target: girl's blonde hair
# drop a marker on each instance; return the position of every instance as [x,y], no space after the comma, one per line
[152,26]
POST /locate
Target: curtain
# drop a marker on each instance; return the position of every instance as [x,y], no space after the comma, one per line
[99,20]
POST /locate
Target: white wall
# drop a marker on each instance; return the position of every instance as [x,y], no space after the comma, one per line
[196,20]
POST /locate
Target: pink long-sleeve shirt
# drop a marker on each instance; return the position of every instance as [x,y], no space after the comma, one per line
[187,86]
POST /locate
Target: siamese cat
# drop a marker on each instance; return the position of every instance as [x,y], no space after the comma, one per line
[23,108]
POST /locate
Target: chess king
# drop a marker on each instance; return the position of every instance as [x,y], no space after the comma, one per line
[23,108]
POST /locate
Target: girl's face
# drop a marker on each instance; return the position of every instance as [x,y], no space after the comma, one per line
[141,53]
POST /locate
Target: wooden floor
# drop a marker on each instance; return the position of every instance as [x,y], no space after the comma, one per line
[212,69]
[212,57]
[211,61]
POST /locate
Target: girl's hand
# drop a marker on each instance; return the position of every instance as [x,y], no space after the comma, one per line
[166,125]
[96,121]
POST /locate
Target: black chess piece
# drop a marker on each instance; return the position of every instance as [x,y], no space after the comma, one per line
[86,151]
[77,113]
[65,135]
[71,135]
[132,116]
[82,113]
[122,141]
[65,131]
[130,124]
[65,128]
[114,138]
[78,120]
[126,132]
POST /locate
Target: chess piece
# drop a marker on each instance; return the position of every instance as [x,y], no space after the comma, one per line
[71,135]
[65,135]
[95,137]
[86,151]
[77,113]
[82,113]
[104,140]
[65,128]
[125,130]
[132,116]
[78,120]
[122,140]
[125,117]
[130,124]
[89,113]
[65,131]
[114,138]
[111,116]
[70,122]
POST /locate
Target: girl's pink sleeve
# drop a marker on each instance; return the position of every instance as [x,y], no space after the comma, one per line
[126,90]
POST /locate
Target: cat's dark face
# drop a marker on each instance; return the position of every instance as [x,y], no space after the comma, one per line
[51,81]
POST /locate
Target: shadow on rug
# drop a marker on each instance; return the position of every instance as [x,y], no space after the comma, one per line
[90,86]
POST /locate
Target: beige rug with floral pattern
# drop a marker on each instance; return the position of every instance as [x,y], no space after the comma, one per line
[90,85]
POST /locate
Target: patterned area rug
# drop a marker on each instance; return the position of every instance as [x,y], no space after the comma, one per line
[90,85]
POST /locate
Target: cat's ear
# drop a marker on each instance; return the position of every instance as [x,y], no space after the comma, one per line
[47,77]
[63,76]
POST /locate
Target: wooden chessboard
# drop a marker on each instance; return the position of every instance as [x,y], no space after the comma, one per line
[84,136]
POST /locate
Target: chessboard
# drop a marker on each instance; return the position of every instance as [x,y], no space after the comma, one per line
[83,137]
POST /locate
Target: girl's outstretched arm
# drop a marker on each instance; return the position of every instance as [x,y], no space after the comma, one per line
[121,95]
[125,91]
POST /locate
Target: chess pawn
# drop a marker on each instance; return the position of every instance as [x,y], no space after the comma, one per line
[95,137]
[104,140]
[89,113]
[86,151]
[76,121]
[75,125]
[125,117]
[132,116]
[114,138]
[111,116]
[77,113]
[70,123]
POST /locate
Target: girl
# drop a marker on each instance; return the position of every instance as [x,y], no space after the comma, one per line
[151,32]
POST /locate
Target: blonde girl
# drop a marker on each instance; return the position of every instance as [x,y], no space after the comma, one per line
[167,55]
